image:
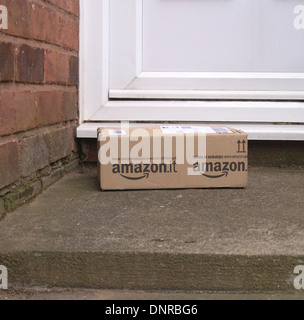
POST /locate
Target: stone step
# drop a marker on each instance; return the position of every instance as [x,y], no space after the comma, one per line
[213,240]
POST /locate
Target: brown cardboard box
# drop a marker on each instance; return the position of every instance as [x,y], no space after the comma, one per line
[222,163]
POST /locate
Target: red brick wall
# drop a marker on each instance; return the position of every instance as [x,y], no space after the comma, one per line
[38,96]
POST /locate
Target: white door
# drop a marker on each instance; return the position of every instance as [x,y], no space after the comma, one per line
[222,36]
[194,60]
[235,45]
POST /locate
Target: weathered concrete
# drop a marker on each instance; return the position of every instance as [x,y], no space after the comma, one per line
[129,295]
[220,240]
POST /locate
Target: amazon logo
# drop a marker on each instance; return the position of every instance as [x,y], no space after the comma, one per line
[142,171]
[216,170]
[145,176]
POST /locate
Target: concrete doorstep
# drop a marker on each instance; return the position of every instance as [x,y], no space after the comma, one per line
[212,240]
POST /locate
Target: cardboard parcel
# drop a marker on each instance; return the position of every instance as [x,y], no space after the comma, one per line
[172,157]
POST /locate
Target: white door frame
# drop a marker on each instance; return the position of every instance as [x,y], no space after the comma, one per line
[103,75]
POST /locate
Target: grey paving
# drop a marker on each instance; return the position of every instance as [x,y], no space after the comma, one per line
[235,240]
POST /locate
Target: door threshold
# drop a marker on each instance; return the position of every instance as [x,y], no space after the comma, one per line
[255,131]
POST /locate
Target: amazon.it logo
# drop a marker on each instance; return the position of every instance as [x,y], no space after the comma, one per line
[142,171]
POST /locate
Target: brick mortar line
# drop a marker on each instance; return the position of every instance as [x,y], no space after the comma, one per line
[19,136]
[25,87]
[17,40]
[7,85]
[56,8]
